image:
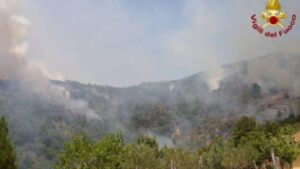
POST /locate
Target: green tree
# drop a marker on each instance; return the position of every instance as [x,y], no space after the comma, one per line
[140,156]
[78,154]
[242,127]
[284,144]
[148,141]
[259,141]
[108,151]
[180,159]
[270,128]
[83,153]
[256,90]
[240,157]
[151,142]
[7,152]
[213,157]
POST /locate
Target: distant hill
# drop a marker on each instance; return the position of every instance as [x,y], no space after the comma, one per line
[188,112]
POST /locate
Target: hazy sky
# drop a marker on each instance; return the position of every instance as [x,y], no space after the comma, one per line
[126,42]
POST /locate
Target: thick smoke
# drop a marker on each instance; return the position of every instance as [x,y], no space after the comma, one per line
[12,47]
[214,78]
[15,67]
[277,70]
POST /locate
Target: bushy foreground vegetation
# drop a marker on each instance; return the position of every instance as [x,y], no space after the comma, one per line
[7,152]
[250,145]
[112,152]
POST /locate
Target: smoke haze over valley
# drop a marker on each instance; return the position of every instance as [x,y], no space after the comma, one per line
[169,78]
[128,42]
[187,113]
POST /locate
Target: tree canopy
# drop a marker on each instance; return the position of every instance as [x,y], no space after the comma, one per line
[250,145]
[7,152]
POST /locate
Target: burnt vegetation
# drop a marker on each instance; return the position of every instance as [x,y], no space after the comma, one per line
[202,124]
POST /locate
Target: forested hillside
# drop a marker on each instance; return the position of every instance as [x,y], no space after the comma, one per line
[249,146]
[188,113]
[7,153]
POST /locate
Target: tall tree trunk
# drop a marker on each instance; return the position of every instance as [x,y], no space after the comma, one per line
[255,166]
[200,163]
[273,159]
[276,161]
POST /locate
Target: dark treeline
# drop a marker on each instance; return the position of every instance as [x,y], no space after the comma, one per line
[250,146]
[7,152]
[182,113]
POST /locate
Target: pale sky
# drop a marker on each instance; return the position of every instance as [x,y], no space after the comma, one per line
[127,42]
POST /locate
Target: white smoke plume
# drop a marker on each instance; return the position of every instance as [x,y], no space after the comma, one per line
[13,28]
[214,78]
[14,65]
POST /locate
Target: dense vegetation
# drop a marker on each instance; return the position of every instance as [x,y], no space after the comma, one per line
[250,145]
[181,113]
[7,152]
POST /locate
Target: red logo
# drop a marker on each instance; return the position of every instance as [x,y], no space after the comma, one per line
[273,19]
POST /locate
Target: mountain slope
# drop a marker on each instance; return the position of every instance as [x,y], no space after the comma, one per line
[187,112]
